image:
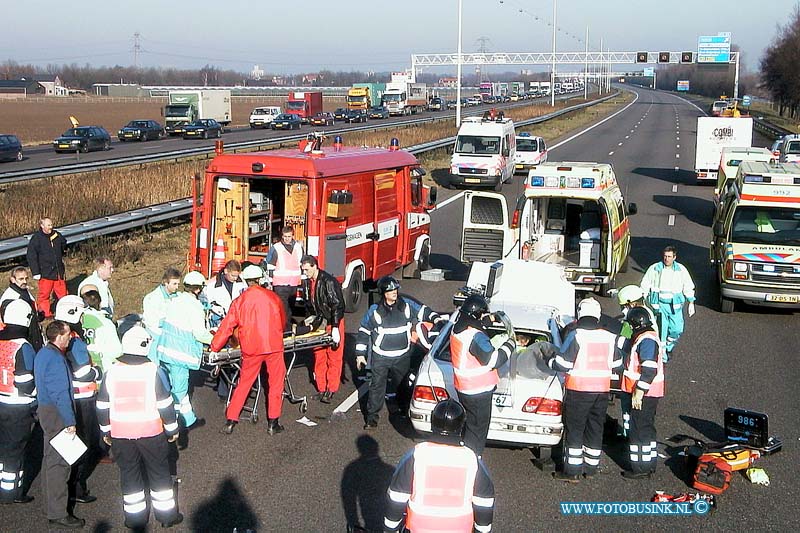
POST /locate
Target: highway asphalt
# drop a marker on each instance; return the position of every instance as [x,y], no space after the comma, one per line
[319,479]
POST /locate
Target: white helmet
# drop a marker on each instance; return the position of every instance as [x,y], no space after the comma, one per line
[589,307]
[194,278]
[136,341]
[252,272]
[70,309]
[19,313]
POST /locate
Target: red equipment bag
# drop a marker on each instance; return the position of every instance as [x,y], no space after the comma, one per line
[713,474]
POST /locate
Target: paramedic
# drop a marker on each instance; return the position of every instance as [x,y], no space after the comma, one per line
[283,264]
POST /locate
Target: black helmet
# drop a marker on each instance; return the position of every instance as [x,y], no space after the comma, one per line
[639,319]
[448,418]
[388,284]
[475,306]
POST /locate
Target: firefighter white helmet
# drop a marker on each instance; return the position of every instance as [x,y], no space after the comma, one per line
[194,278]
[252,272]
[589,307]
[19,313]
[70,309]
[136,341]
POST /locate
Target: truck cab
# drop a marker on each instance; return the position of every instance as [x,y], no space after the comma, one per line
[729,162]
[484,151]
[570,214]
[756,237]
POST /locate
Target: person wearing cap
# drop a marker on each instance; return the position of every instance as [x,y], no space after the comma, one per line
[104,269]
[421,498]
[258,314]
[70,309]
[154,305]
[326,302]
[56,413]
[386,332]
[283,265]
[138,420]
[475,363]
[99,331]
[45,255]
[179,346]
[17,399]
[588,357]
[18,290]
[223,289]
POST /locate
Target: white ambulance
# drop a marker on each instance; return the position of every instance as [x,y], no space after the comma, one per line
[756,245]
[484,152]
[570,214]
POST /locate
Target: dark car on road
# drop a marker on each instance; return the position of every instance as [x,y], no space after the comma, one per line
[141,130]
[378,112]
[340,113]
[202,129]
[322,119]
[356,115]
[83,139]
[286,121]
[10,148]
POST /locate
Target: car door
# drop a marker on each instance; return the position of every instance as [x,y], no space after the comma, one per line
[387,221]
[485,235]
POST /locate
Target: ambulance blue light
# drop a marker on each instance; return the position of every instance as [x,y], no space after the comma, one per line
[587,183]
[753,179]
[537,181]
[524,134]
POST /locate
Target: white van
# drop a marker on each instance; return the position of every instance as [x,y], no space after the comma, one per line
[261,117]
[484,152]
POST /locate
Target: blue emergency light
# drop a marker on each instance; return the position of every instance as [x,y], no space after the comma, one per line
[587,183]
[756,179]
[524,134]
[537,181]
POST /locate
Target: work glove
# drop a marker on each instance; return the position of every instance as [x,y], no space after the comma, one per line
[107,439]
[636,399]
[37,277]
[173,438]
[336,336]
[691,309]
[361,362]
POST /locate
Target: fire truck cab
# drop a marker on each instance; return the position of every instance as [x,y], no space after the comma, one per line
[362,212]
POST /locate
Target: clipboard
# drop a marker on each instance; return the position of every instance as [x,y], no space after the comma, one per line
[68,445]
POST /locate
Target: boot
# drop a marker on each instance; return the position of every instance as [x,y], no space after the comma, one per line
[174,522]
[274,426]
[227,429]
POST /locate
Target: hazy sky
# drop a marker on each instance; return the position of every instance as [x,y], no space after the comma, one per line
[300,36]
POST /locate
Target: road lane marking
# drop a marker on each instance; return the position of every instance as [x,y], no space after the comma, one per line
[675,188]
[351,400]
[677,169]
[690,103]
[611,153]
[627,136]
[451,199]
[671,221]
[620,144]
[677,146]
[62,157]
[677,156]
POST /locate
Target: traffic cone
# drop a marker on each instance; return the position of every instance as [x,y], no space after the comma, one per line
[218,260]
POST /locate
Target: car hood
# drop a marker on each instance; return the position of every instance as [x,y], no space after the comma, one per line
[71,138]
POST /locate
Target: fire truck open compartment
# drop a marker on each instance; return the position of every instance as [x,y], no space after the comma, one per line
[251,211]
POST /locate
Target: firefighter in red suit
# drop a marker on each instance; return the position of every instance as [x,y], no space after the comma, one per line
[259,316]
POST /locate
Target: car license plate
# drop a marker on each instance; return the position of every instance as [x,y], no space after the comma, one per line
[783,298]
[472,180]
[63,146]
[502,400]
[519,166]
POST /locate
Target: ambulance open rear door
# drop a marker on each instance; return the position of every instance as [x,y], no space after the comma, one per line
[485,234]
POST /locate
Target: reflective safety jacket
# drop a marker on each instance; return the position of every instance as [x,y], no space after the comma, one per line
[154,308]
[287,264]
[16,369]
[644,368]
[182,333]
[475,360]
[84,375]
[217,293]
[442,488]
[389,330]
[101,338]
[668,286]
[589,356]
[134,400]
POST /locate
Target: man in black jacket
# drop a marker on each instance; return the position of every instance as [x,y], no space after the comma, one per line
[46,259]
[325,295]
[18,290]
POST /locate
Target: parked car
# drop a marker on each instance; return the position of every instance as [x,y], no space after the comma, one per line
[286,121]
[141,130]
[356,115]
[790,149]
[83,139]
[340,113]
[776,146]
[10,148]
[323,118]
[202,129]
[378,112]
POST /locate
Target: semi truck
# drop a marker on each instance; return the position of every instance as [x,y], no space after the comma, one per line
[405,97]
[533,87]
[489,90]
[714,134]
[304,104]
[184,107]
[544,88]
[365,95]
[518,87]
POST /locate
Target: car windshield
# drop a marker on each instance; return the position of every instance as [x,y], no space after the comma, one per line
[284,117]
[527,145]
[77,132]
[196,123]
[793,147]
[766,225]
[393,97]
[356,99]
[296,105]
[259,111]
[137,124]
[176,110]
[474,144]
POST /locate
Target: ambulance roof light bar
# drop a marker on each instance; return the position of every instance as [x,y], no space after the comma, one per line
[755,179]
[563,182]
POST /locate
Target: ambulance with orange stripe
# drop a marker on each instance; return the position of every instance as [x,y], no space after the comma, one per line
[570,214]
[484,152]
[756,246]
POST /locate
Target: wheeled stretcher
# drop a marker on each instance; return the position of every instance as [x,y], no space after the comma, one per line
[227,365]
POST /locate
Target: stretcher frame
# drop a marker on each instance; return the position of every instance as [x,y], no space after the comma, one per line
[227,365]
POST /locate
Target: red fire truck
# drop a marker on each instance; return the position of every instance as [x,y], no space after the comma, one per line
[362,211]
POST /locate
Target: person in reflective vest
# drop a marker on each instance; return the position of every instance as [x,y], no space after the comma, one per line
[441,485]
[589,355]
[642,385]
[475,364]
[138,420]
[386,332]
[223,289]
[283,265]
[154,304]
[179,345]
[70,309]
[18,289]
[669,286]
[100,332]
[17,399]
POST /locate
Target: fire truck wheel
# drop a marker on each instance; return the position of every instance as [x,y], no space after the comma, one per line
[353,292]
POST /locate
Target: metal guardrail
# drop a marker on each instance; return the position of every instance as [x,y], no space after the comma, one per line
[770,129]
[82,231]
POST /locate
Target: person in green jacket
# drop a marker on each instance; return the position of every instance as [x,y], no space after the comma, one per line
[100,332]
[155,303]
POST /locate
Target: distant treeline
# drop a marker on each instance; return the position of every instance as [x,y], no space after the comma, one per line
[708,80]
[780,67]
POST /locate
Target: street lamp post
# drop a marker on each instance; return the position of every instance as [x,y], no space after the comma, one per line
[458,70]
[553,67]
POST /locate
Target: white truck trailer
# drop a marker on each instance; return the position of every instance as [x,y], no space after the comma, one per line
[187,106]
[714,134]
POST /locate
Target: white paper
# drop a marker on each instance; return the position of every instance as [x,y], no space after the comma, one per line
[306,421]
[68,445]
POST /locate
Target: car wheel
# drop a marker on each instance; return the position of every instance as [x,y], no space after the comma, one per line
[219,133]
[106,145]
[84,148]
[205,135]
[19,155]
[353,292]
[142,137]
